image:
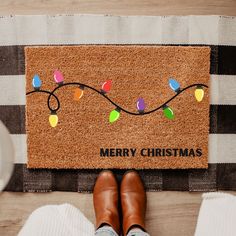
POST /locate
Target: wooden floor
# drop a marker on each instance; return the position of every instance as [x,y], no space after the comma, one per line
[169,213]
[120,7]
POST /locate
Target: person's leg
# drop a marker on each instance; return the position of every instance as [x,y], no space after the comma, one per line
[57,220]
[105,199]
[137,232]
[106,230]
[217,215]
[133,203]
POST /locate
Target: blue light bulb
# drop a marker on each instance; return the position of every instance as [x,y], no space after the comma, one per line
[36,82]
[174,85]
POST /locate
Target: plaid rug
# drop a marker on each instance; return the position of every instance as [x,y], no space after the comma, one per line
[218,32]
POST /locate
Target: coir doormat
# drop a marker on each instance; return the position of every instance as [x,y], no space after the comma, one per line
[141,107]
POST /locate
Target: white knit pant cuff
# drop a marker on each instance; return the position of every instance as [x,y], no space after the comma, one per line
[217,216]
[57,220]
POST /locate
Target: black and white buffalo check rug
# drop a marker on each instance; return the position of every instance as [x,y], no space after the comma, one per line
[218,32]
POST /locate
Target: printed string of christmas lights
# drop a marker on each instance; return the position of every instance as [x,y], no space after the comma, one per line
[106,87]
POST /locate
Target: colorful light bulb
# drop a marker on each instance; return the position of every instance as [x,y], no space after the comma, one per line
[58,77]
[78,93]
[141,105]
[36,82]
[199,93]
[114,115]
[106,86]
[53,119]
[168,112]
[174,85]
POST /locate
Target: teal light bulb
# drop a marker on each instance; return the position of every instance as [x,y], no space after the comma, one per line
[36,82]
[174,85]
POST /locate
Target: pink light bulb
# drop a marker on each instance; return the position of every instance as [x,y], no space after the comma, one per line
[58,77]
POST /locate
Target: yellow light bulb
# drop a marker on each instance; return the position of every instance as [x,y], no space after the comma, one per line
[199,93]
[53,119]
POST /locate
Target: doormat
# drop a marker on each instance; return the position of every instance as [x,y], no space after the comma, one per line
[142,107]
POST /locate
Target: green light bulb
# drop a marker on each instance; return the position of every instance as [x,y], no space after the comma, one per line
[114,115]
[168,112]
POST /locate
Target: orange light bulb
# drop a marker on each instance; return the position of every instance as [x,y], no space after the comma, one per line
[78,93]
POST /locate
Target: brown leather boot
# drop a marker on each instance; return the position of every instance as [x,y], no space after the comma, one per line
[105,200]
[133,201]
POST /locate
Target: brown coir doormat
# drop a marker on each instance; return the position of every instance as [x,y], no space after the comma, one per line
[98,106]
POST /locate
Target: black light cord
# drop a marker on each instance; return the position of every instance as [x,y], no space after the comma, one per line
[51,94]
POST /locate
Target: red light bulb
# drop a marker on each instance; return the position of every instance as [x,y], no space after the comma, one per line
[106,87]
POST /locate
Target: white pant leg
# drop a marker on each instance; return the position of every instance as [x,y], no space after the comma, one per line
[57,220]
[106,231]
[217,216]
